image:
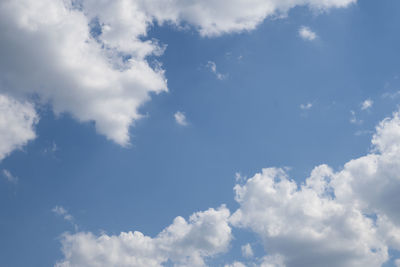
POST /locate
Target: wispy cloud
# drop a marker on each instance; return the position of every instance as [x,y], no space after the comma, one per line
[307,34]
[391,95]
[9,177]
[213,68]
[306,106]
[62,212]
[247,251]
[367,104]
[52,148]
[180,118]
[353,118]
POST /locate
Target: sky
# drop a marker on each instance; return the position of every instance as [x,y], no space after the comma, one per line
[199,133]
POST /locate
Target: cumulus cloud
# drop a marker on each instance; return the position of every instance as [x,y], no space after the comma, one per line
[185,243]
[307,34]
[17,121]
[64,65]
[345,218]
[180,118]
[91,58]
[348,218]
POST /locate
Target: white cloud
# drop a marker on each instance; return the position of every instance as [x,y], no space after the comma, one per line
[180,118]
[307,34]
[247,251]
[63,64]
[367,104]
[9,177]
[213,68]
[346,218]
[273,261]
[17,121]
[216,17]
[306,106]
[185,243]
[105,78]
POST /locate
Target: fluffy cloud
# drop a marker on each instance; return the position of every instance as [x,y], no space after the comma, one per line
[17,121]
[216,17]
[307,34]
[91,58]
[185,243]
[347,218]
[63,64]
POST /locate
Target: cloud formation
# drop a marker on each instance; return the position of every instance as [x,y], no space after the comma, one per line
[91,58]
[185,243]
[347,218]
[65,65]
[216,17]
[17,122]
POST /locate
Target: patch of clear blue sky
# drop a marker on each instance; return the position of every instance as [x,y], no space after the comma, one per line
[246,122]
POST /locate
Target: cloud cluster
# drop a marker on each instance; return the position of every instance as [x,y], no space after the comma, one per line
[185,243]
[91,58]
[17,121]
[348,218]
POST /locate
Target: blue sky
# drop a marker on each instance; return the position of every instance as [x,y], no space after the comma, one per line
[252,96]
